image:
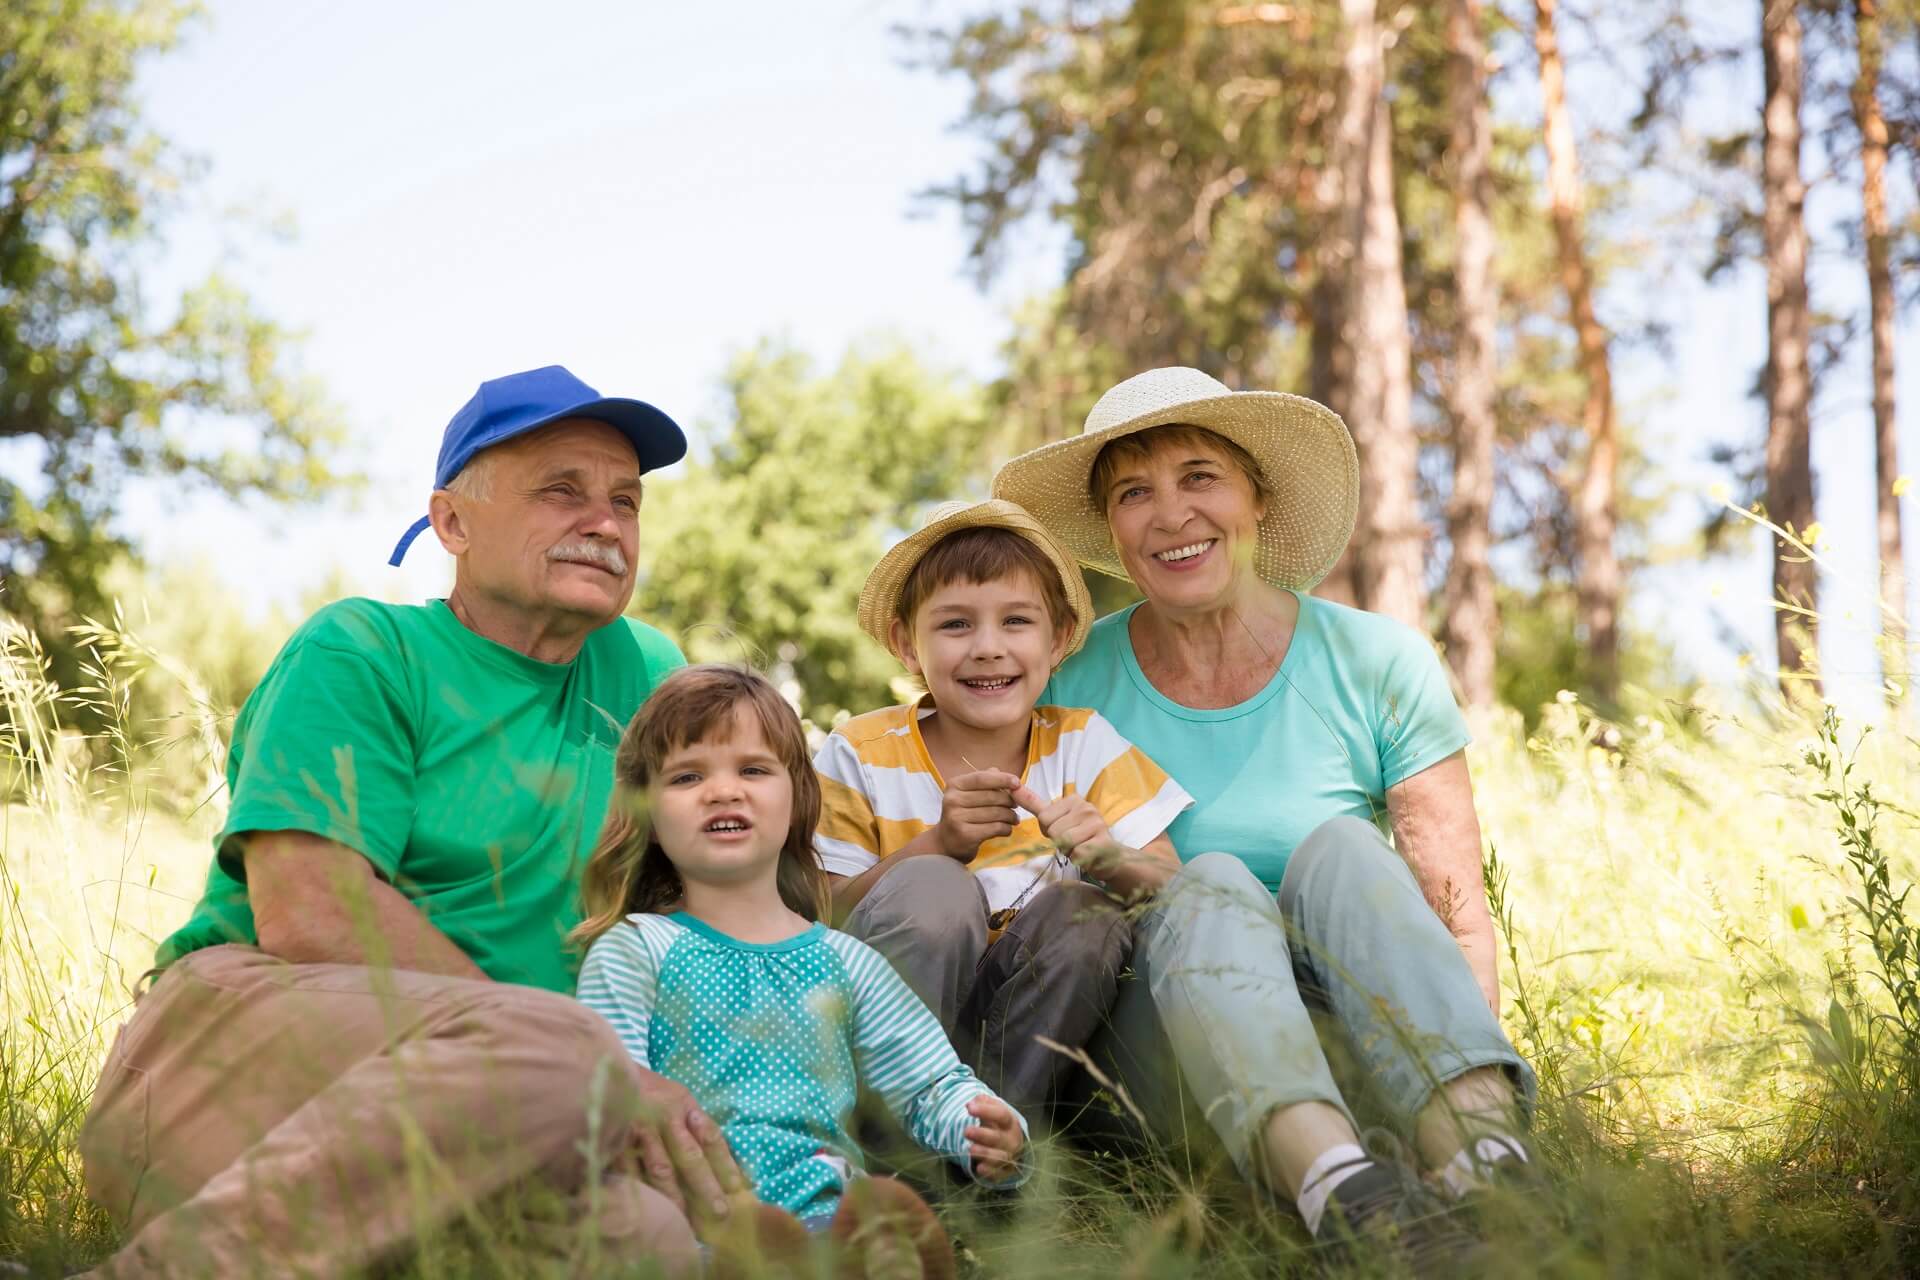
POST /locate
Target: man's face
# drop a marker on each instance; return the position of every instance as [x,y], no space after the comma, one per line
[560,524]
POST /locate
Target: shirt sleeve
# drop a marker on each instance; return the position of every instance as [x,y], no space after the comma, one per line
[619,980]
[1417,722]
[326,745]
[848,837]
[1134,795]
[903,1054]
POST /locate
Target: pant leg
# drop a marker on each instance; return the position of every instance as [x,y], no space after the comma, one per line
[928,917]
[1213,957]
[1053,973]
[258,1117]
[1387,970]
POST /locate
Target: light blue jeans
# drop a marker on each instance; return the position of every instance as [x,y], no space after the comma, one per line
[1234,988]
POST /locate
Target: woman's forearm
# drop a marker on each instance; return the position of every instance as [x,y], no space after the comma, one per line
[1437,831]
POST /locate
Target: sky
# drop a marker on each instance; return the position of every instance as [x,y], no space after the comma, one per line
[640,190]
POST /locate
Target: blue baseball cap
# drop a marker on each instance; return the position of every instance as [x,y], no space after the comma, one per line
[521,402]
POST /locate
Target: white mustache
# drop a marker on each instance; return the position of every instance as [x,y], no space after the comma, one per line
[607,555]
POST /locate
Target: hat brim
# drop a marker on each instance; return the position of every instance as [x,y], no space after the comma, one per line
[880,595]
[656,439]
[1303,448]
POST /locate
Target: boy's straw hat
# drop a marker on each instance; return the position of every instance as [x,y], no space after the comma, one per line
[1301,445]
[881,596]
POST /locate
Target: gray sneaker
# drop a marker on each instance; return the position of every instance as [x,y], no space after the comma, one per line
[1384,1211]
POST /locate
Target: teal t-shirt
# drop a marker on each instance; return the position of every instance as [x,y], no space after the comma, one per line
[1360,702]
[474,778]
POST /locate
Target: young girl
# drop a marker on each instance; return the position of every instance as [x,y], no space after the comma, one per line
[702,901]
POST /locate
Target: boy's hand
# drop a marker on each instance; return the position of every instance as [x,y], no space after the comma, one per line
[1070,822]
[996,1142]
[976,808]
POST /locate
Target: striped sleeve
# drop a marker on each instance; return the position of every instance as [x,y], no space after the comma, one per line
[1134,795]
[848,838]
[903,1054]
[619,980]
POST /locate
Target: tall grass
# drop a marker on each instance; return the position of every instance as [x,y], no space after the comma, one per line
[1710,959]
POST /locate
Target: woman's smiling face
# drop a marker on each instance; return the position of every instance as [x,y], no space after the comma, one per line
[1185,520]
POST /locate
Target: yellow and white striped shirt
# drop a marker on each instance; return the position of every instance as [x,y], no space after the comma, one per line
[880,789]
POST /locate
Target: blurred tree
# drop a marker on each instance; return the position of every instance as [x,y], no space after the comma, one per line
[1877,233]
[1788,379]
[758,551]
[97,386]
[1594,493]
[1469,623]
[1382,569]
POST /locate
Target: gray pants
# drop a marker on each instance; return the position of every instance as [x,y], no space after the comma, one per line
[1239,999]
[1053,973]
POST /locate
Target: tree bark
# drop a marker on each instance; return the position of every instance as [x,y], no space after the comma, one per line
[1390,540]
[1597,571]
[1873,199]
[1789,386]
[1338,195]
[1471,625]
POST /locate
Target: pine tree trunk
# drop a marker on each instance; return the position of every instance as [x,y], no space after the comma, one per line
[1391,538]
[1598,579]
[1338,194]
[1873,200]
[1471,624]
[1789,384]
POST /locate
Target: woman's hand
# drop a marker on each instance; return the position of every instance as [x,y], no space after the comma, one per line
[976,808]
[996,1142]
[683,1154]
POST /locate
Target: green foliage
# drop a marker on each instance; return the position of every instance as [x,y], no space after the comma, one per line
[1540,653]
[758,550]
[99,383]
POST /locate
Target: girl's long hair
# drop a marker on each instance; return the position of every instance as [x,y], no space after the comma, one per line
[629,872]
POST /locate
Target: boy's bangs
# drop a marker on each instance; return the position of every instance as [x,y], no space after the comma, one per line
[974,556]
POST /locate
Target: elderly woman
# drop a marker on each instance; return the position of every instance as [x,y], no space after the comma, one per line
[1303,729]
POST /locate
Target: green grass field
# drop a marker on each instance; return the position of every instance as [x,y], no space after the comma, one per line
[1709,963]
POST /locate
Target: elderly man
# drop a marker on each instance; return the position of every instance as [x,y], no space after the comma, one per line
[361,1033]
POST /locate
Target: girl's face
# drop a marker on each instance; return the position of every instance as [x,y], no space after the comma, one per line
[721,810]
[1185,523]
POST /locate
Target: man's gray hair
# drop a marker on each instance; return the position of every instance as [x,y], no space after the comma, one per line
[475,480]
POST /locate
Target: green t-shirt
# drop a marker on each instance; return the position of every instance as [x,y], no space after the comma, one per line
[1360,703]
[472,777]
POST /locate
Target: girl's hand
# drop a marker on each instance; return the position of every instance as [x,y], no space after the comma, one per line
[996,1142]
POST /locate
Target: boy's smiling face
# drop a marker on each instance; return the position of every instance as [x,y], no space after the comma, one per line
[984,649]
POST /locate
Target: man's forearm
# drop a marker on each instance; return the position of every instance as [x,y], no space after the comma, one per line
[317,902]
[377,927]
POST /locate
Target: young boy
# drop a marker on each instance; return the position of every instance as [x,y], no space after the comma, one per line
[961,831]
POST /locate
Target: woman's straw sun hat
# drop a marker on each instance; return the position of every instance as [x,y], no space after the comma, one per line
[1301,445]
[880,597]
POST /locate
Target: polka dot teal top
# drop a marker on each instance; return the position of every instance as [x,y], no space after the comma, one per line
[773,1040]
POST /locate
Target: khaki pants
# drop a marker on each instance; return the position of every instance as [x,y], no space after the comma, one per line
[263,1118]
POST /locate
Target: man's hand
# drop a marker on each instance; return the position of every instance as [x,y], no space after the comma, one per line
[976,808]
[996,1142]
[683,1154]
[1070,822]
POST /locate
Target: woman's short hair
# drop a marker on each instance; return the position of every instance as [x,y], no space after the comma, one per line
[1137,446]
